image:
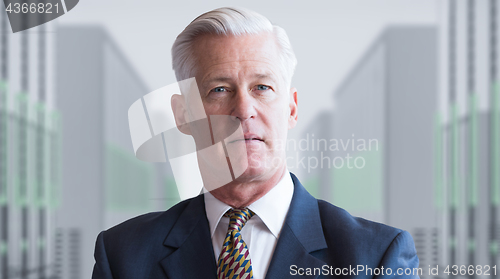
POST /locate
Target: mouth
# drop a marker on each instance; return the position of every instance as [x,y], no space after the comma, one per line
[249,138]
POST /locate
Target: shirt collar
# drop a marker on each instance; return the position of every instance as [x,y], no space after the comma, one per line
[271,208]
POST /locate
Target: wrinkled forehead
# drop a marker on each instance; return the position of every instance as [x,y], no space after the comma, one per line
[217,52]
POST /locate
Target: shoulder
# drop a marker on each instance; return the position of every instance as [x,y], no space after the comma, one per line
[147,228]
[139,242]
[364,242]
[356,232]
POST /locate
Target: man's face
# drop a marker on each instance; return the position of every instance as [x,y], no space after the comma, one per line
[241,77]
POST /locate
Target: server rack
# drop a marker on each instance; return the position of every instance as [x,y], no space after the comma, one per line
[29,145]
[390,96]
[469,129]
[315,155]
[4,208]
[104,183]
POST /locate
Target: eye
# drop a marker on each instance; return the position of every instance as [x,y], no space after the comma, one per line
[219,89]
[263,87]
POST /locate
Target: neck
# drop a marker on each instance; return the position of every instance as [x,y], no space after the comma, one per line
[239,194]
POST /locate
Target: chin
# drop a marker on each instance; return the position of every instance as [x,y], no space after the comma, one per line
[257,169]
[251,173]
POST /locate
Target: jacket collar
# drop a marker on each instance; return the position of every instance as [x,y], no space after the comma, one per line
[302,234]
[193,255]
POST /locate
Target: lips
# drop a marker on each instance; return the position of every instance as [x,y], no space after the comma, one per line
[248,137]
[252,137]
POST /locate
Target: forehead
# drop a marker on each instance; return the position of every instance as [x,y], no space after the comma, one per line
[220,53]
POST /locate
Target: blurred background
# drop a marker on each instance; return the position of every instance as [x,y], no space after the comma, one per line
[399,122]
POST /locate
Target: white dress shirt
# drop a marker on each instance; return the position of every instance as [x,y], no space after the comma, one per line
[262,231]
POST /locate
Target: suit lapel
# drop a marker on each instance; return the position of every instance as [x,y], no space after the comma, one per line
[190,237]
[301,234]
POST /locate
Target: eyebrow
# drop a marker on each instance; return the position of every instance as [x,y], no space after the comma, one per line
[218,79]
[263,76]
[227,79]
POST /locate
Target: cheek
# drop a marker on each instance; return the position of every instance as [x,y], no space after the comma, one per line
[215,108]
[278,121]
[284,114]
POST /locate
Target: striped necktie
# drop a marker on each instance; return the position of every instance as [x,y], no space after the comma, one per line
[234,260]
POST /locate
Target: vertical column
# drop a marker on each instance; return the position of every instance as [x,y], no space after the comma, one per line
[442,138]
[453,138]
[494,131]
[53,187]
[4,157]
[22,151]
[472,134]
[40,147]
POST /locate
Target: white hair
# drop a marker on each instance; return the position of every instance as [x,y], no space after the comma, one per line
[229,21]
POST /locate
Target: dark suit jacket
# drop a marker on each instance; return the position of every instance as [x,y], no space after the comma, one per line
[177,244]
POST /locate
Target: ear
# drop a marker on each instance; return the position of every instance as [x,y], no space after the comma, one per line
[180,113]
[292,120]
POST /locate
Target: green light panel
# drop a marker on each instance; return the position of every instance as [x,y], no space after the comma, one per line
[438,149]
[455,157]
[361,189]
[473,190]
[3,143]
[54,158]
[128,181]
[495,197]
[21,134]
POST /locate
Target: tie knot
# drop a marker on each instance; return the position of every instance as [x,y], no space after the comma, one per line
[238,217]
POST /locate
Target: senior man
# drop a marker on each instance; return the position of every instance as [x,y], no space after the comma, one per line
[262,224]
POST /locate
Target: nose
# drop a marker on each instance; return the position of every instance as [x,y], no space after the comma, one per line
[243,106]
